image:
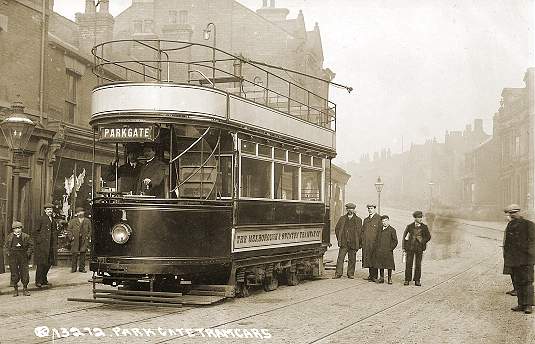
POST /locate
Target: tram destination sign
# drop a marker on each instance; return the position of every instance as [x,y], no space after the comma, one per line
[127,133]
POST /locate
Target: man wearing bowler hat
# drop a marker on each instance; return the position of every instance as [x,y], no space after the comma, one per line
[347,232]
[519,257]
[370,228]
[415,239]
[152,173]
[79,229]
[45,241]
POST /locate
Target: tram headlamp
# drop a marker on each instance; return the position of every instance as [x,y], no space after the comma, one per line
[120,233]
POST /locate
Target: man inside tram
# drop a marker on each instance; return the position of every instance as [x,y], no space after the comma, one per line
[128,172]
[152,173]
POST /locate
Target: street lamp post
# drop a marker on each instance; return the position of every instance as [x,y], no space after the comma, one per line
[431,184]
[17,130]
[207,31]
[379,187]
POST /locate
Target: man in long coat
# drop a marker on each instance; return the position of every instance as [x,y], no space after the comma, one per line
[387,240]
[370,228]
[79,229]
[347,231]
[415,239]
[151,174]
[519,256]
[45,243]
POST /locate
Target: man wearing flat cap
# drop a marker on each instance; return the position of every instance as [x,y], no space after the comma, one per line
[347,231]
[415,239]
[79,231]
[370,228]
[45,241]
[18,248]
[519,256]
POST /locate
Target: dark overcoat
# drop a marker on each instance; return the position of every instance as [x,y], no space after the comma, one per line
[45,241]
[519,245]
[415,239]
[26,243]
[370,228]
[128,176]
[79,234]
[387,240]
[350,238]
[155,170]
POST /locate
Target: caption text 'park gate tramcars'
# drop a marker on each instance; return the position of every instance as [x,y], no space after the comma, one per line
[246,189]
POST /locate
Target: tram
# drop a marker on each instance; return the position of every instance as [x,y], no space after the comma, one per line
[240,194]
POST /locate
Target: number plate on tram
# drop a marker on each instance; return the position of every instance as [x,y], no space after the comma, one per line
[126,133]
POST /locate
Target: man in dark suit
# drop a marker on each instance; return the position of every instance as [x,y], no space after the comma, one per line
[370,227]
[415,239]
[127,173]
[347,231]
[79,229]
[18,248]
[519,257]
[152,173]
[45,239]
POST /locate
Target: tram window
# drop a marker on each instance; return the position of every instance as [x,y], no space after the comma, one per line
[317,162]
[280,154]
[305,160]
[286,182]
[255,178]
[248,147]
[225,179]
[264,151]
[293,157]
[310,185]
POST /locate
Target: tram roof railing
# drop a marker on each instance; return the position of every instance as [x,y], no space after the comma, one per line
[155,60]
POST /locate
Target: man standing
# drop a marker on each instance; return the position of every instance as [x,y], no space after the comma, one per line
[347,232]
[519,256]
[45,239]
[415,239]
[18,248]
[79,229]
[152,173]
[370,228]
[127,173]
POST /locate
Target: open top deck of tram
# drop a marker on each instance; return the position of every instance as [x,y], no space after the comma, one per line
[163,81]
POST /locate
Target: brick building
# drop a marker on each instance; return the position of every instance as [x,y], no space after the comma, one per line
[45,62]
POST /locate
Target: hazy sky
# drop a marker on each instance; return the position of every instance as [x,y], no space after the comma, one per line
[418,67]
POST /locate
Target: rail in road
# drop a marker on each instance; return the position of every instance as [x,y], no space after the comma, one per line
[279,311]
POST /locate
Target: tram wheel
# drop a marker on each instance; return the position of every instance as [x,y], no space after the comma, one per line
[292,278]
[243,290]
[271,283]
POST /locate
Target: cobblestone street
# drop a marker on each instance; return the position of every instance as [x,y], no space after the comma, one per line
[462,300]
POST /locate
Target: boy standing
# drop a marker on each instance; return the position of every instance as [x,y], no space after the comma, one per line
[387,241]
[18,247]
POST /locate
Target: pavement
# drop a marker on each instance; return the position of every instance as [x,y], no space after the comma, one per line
[57,276]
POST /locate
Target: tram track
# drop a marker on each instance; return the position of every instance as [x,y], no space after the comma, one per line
[275,309]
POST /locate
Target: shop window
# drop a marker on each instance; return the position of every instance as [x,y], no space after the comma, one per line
[248,147]
[293,157]
[310,185]
[72,186]
[286,182]
[264,151]
[255,178]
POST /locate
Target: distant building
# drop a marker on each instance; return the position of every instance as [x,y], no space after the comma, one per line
[339,179]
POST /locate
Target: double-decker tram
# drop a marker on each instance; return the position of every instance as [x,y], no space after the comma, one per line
[222,174]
